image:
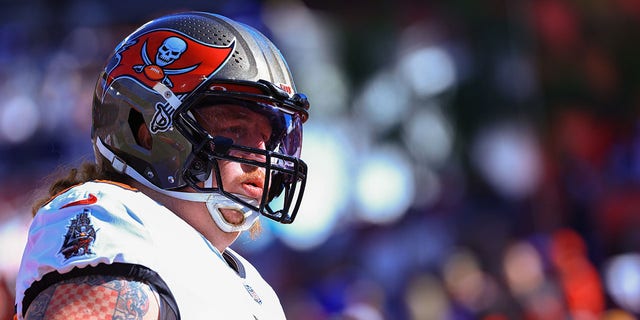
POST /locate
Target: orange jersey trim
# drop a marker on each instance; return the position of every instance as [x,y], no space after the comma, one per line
[115,183]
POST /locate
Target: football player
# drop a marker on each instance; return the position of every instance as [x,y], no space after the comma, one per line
[197,132]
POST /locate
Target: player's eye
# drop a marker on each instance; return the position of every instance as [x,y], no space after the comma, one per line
[236,133]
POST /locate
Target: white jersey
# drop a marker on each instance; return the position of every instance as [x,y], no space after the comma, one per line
[101,225]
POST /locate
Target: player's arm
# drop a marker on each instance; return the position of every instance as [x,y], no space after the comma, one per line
[104,297]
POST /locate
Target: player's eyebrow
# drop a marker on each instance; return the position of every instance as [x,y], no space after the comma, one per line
[236,112]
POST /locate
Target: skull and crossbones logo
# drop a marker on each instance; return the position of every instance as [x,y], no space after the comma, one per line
[169,51]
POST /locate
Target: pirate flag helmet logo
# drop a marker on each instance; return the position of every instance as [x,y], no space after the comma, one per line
[168,57]
[167,60]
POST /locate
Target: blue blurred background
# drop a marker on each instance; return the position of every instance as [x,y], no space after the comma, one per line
[468,159]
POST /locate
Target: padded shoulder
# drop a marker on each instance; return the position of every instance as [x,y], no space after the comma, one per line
[90,224]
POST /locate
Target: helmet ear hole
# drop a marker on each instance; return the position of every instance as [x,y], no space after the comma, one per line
[139,129]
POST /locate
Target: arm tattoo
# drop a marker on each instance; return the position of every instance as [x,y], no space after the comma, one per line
[104,296]
[39,306]
[133,302]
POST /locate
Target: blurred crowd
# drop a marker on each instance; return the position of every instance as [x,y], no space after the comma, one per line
[515,124]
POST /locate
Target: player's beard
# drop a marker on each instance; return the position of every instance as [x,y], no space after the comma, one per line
[255,230]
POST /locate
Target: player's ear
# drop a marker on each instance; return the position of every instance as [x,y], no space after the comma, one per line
[143,136]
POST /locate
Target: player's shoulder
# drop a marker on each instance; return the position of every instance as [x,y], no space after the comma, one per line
[90,193]
[105,200]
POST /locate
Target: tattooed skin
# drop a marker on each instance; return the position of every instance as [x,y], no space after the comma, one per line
[95,297]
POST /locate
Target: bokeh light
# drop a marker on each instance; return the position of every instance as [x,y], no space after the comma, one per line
[508,156]
[623,280]
[19,119]
[327,192]
[383,103]
[428,71]
[429,136]
[384,185]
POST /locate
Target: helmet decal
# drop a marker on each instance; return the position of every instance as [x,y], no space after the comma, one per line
[161,121]
[287,88]
[170,51]
[169,57]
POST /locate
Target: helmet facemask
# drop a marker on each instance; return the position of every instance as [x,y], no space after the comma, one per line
[274,165]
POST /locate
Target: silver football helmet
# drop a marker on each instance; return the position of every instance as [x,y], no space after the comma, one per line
[158,78]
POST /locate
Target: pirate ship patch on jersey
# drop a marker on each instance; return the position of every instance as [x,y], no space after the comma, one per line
[79,237]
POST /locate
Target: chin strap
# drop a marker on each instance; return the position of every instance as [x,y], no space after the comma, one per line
[214,201]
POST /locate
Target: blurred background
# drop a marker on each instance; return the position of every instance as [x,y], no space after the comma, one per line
[468,159]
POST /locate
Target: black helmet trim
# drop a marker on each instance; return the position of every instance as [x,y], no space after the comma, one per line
[259,91]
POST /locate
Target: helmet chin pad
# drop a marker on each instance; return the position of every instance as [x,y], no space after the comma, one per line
[216,204]
[249,216]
